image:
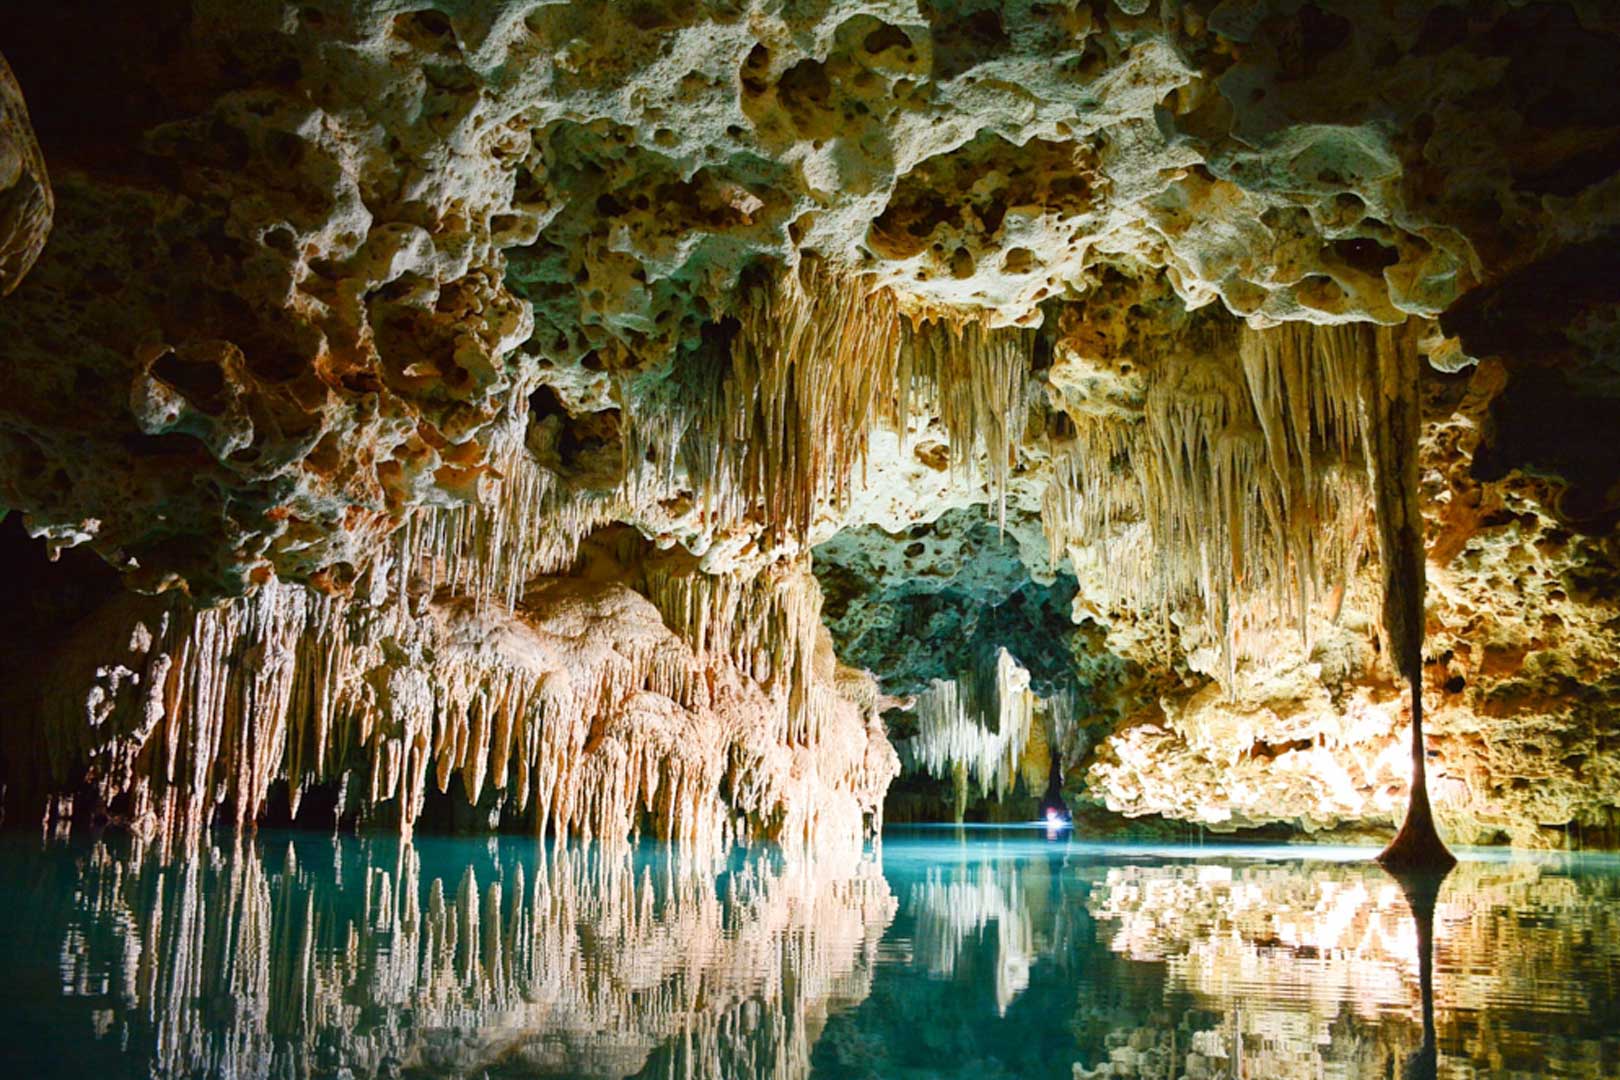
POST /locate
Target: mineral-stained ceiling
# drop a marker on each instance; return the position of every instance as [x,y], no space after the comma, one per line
[466,384]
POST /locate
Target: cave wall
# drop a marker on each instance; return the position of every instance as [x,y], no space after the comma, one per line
[377,322]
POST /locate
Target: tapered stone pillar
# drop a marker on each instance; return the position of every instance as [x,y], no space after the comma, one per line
[1392,411]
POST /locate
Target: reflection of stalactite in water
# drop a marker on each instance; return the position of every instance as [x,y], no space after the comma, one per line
[952,910]
[1422,891]
[1331,969]
[571,963]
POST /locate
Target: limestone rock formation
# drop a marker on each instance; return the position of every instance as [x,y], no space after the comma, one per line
[380,322]
[25,189]
[578,710]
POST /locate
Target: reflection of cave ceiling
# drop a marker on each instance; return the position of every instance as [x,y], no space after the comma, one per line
[401,300]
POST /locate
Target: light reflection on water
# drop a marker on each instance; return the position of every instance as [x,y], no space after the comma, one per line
[977,953]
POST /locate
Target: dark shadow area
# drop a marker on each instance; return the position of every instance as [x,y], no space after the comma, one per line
[1547,426]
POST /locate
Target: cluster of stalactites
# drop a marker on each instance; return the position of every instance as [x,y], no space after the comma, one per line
[290,685]
[197,715]
[977,381]
[979,724]
[1241,491]
[766,624]
[773,422]
[775,430]
[1064,719]
[638,960]
[591,755]
[213,707]
[524,524]
[777,426]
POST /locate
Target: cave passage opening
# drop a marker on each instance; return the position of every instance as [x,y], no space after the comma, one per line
[972,636]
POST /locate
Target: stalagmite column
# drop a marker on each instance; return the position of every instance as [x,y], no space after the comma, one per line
[1390,427]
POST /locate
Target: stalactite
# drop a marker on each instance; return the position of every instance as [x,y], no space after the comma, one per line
[1243,469]
[1391,424]
[1063,719]
[581,712]
[1246,477]
[766,623]
[526,524]
[977,379]
[981,724]
[770,425]
[778,423]
[774,423]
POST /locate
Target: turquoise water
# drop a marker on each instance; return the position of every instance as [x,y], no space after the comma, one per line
[974,953]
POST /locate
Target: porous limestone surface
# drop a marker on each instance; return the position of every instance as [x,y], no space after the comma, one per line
[922,604]
[389,298]
[360,230]
[25,188]
[1519,691]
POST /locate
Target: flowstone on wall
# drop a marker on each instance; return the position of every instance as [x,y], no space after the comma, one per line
[389,309]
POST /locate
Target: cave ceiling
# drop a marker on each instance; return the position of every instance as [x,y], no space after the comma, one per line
[408,306]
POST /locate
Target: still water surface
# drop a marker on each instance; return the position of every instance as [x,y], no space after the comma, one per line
[979,953]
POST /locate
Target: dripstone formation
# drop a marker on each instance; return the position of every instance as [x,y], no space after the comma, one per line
[460,409]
